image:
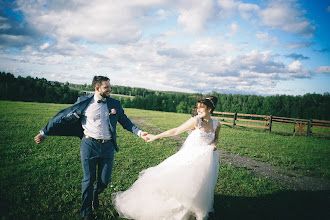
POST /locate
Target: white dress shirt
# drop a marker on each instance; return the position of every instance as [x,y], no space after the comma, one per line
[95,121]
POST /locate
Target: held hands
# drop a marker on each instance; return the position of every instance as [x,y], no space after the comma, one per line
[214,147]
[148,137]
[151,137]
[144,135]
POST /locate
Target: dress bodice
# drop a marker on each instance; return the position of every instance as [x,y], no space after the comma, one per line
[198,137]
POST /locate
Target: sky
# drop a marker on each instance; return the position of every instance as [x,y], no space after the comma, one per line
[261,47]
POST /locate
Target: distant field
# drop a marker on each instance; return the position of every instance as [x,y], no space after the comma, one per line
[44,181]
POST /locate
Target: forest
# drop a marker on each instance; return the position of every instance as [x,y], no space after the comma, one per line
[308,106]
[29,89]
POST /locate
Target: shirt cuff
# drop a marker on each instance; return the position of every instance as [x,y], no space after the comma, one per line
[139,133]
[43,133]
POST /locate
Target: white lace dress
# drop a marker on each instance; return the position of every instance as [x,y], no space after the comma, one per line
[179,187]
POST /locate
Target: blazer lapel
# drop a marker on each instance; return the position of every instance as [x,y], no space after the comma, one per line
[109,104]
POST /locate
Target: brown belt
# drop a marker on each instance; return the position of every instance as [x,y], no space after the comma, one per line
[97,140]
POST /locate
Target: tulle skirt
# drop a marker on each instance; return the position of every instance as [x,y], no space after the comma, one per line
[178,188]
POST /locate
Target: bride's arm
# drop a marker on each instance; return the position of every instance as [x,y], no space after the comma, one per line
[216,137]
[188,125]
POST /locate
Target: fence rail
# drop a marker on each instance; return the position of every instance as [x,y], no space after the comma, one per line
[320,124]
[300,126]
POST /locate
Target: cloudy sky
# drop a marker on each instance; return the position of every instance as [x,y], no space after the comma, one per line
[262,47]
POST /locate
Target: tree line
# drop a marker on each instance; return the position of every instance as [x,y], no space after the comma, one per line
[308,106]
[31,89]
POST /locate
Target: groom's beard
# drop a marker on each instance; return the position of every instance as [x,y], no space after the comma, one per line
[105,94]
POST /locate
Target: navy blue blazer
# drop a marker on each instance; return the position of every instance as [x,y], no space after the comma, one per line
[68,121]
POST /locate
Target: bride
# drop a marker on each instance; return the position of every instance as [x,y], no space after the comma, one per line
[182,186]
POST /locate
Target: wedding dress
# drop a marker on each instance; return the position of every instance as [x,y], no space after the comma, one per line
[179,187]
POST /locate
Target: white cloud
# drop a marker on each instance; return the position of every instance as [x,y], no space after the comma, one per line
[233,29]
[295,70]
[248,10]
[227,8]
[5,26]
[264,36]
[163,14]
[205,47]
[283,16]
[97,21]
[11,40]
[323,69]
[295,66]
[44,46]
[3,19]
[300,45]
[194,15]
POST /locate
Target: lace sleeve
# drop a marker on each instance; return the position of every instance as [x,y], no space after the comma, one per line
[215,124]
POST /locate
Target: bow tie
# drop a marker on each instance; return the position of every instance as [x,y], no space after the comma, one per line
[102,101]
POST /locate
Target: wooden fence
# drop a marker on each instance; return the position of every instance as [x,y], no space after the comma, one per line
[300,126]
[241,118]
[320,124]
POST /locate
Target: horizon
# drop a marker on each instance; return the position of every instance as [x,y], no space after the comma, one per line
[266,48]
[168,91]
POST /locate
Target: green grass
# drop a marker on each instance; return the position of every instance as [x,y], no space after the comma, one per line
[44,181]
[307,155]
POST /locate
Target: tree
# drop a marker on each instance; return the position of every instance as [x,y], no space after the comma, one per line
[182,107]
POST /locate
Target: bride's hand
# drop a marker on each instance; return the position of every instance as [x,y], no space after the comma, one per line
[151,137]
[214,147]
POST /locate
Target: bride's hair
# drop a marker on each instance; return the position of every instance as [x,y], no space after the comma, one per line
[210,102]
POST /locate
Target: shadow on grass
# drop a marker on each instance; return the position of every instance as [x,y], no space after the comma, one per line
[283,205]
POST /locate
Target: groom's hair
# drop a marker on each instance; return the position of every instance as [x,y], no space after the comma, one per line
[97,80]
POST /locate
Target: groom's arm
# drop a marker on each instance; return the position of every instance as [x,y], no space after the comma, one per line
[129,126]
[56,120]
[50,125]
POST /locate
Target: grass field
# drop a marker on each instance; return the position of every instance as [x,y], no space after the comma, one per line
[44,181]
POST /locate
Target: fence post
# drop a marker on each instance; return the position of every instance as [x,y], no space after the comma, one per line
[235,117]
[309,128]
[270,123]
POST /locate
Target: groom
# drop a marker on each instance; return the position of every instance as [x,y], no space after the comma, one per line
[93,119]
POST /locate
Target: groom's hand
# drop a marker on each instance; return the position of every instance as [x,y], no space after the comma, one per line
[144,135]
[39,138]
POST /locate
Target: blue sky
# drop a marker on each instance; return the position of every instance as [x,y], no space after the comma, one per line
[264,47]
